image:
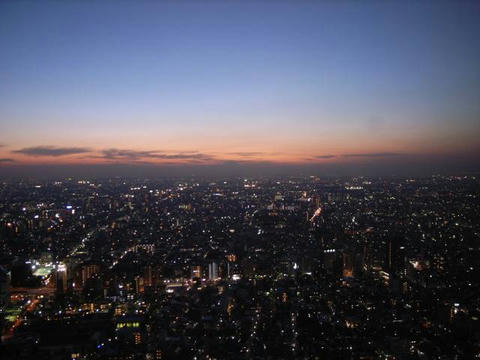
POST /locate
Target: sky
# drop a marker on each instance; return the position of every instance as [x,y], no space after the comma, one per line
[348,86]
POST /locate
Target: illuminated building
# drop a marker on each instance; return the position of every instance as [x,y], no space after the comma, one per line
[138,338]
[147,277]
[139,284]
[212,271]
[129,322]
[347,265]
[61,276]
[196,272]
[88,271]
[395,255]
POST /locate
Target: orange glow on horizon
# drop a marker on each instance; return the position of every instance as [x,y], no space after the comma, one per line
[295,150]
[148,157]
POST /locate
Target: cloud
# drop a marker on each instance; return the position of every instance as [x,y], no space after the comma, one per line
[319,157]
[6,160]
[373,155]
[134,155]
[229,162]
[247,153]
[323,156]
[51,151]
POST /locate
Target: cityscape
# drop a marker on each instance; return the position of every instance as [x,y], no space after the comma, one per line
[239,180]
[310,267]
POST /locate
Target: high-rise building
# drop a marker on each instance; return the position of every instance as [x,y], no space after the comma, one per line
[138,338]
[139,285]
[61,277]
[347,265]
[147,276]
[4,286]
[196,272]
[230,259]
[212,271]
[395,255]
[88,271]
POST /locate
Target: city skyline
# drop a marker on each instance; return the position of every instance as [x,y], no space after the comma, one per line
[204,87]
[239,180]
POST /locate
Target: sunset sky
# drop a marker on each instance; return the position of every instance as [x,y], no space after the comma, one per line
[216,83]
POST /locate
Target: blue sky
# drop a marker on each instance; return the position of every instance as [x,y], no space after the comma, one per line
[286,79]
